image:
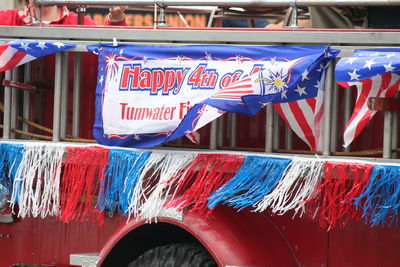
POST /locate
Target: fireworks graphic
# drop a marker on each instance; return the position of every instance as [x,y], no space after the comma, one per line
[274,81]
[112,64]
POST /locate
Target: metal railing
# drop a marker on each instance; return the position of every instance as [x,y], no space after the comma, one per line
[222,3]
[346,41]
[254,4]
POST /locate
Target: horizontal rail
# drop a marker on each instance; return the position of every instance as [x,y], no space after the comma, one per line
[389,38]
[173,36]
[223,3]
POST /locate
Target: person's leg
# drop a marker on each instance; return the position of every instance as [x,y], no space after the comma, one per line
[333,17]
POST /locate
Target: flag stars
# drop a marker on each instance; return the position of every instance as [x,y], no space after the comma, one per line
[283,94]
[136,137]
[354,75]
[389,67]
[301,90]
[321,67]
[101,80]
[42,45]
[304,75]
[351,60]
[318,84]
[58,44]
[391,55]
[369,63]
[25,46]
[121,52]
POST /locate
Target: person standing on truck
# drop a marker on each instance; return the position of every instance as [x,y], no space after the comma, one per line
[337,17]
[55,15]
[328,18]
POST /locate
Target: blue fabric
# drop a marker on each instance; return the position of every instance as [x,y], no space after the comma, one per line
[31,48]
[122,174]
[257,177]
[366,63]
[380,201]
[10,158]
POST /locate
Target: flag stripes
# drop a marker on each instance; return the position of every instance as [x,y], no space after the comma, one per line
[385,85]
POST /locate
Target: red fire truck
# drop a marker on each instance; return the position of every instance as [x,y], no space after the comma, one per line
[50,101]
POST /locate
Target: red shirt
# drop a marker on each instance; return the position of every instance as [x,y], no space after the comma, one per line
[21,17]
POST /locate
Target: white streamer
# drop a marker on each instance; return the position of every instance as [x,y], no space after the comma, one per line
[296,186]
[38,181]
[151,192]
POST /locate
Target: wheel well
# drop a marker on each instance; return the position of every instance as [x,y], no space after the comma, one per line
[143,238]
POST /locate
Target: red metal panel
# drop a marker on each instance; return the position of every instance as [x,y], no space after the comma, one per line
[308,240]
[48,241]
[244,238]
[236,239]
[359,245]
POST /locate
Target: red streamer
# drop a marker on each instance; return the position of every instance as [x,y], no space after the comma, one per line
[333,201]
[83,170]
[202,177]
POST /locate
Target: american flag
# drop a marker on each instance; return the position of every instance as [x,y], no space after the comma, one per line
[246,78]
[300,105]
[375,73]
[18,52]
[236,90]
[302,108]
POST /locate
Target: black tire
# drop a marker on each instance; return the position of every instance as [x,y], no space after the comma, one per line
[175,255]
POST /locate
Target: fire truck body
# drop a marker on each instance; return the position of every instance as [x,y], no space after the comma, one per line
[233,238]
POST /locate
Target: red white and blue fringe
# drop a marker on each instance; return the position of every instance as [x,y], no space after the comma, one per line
[78,183]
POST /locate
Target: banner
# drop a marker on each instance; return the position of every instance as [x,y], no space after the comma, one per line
[19,52]
[374,73]
[147,95]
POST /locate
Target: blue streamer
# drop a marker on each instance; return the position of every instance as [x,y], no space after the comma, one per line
[122,174]
[257,177]
[10,159]
[380,200]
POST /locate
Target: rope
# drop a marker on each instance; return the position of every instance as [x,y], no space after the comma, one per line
[49,138]
[35,125]
[368,152]
[38,136]
[290,151]
[78,140]
[30,123]
[44,129]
